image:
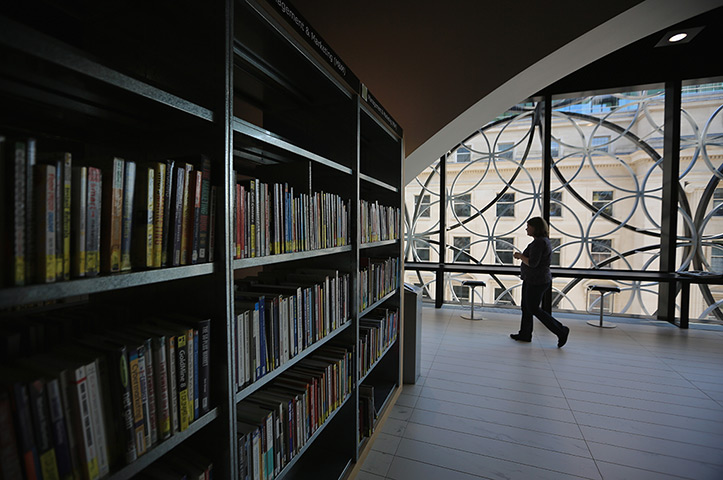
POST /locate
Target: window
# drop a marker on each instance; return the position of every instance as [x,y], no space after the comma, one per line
[554,149]
[555,204]
[717,201]
[423,208]
[601,144]
[461,252]
[504,248]
[716,257]
[555,257]
[593,304]
[600,250]
[462,205]
[601,201]
[502,298]
[421,249]
[461,291]
[506,205]
[463,155]
[505,150]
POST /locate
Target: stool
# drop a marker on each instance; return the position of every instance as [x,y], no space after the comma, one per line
[604,290]
[472,284]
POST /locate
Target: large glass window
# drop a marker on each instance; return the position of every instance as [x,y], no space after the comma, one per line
[600,250]
[461,250]
[463,155]
[506,150]
[504,250]
[602,201]
[506,205]
[423,205]
[555,257]
[462,205]
[503,297]
[555,204]
[600,144]
[422,249]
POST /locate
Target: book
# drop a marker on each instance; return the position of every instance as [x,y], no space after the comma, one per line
[93,222]
[44,177]
[140,420]
[79,206]
[160,378]
[112,210]
[176,226]
[195,221]
[144,218]
[65,223]
[182,382]
[30,236]
[201,361]
[203,243]
[13,215]
[129,185]
[40,415]
[9,458]
[167,203]
[159,203]
[15,384]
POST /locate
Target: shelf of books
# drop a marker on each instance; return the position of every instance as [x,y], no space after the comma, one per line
[200,244]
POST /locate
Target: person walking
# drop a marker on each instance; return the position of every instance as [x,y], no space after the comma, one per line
[536,280]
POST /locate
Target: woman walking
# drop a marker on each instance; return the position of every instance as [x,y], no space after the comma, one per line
[536,280]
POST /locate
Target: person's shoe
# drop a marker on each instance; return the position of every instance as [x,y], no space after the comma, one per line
[562,339]
[520,338]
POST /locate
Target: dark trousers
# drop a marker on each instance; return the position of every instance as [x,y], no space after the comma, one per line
[531,299]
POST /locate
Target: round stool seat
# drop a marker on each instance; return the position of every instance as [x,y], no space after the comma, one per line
[603,290]
[472,284]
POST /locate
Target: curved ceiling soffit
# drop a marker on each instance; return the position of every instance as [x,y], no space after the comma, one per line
[630,26]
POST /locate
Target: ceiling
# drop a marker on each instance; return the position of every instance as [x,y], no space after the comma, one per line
[442,69]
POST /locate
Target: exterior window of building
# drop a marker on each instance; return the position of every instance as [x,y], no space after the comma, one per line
[717,201]
[601,144]
[506,205]
[463,155]
[502,299]
[600,250]
[423,205]
[593,305]
[601,201]
[461,251]
[555,204]
[462,205]
[554,149]
[555,257]
[461,291]
[716,257]
[421,247]
[506,150]
[504,248]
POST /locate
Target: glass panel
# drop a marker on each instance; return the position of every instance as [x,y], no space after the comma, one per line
[609,170]
[421,216]
[700,207]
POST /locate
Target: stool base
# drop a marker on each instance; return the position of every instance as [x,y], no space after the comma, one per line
[596,323]
[467,316]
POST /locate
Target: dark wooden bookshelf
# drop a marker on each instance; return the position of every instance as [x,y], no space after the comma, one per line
[238,83]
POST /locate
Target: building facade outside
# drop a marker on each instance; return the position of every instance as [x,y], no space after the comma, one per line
[606,205]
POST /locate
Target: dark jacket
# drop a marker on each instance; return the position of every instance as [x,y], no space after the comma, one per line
[538,270]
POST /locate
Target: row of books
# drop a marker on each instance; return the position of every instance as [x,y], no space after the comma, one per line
[61,219]
[377,278]
[271,219]
[96,402]
[274,424]
[377,330]
[378,223]
[280,314]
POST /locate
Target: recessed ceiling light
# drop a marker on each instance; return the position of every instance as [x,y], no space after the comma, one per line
[678,37]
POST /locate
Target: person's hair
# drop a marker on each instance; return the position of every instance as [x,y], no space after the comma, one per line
[539,227]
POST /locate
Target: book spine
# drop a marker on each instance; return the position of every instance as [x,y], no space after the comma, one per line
[174,247]
[145,404]
[89,456]
[151,391]
[67,164]
[143,233]
[205,365]
[66,387]
[205,204]
[159,199]
[19,242]
[9,458]
[196,397]
[182,372]
[93,222]
[30,235]
[212,223]
[45,204]
[97,415]
[167,219]
[196,216]
[129,185]
[138,414]
[79,208]
[112,209]
[121,387]
[59,429]
[58,219]
[191,369]
[160,372]
[186,217]
[41,425]
[172,384]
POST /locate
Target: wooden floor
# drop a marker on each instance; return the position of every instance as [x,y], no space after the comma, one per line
[640,401]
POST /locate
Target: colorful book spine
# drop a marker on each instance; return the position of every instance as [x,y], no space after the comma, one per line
[129,185]
[81,398]
[26,437]
[196,216]
[158,213]
[204,356]
[167,220]
[161,382]
[139,420]
[143,234]
[98,416]
[93,222]
[67,203]
[182,384]
[41,425]
[171,356]
[186,228]
[174,247]
[45,208]
[30,236]
[112,209]
[205,206]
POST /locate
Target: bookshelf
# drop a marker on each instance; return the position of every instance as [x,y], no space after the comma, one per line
[294,138]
